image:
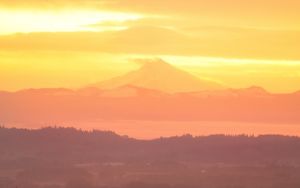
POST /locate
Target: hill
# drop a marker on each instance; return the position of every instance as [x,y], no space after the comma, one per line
[70,158]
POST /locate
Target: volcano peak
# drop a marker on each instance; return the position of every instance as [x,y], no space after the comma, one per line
[159,75]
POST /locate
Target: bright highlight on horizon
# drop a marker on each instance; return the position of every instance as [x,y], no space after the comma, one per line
[73,44]
[26,21]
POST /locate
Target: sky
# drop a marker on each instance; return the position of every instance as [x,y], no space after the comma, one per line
[64,43]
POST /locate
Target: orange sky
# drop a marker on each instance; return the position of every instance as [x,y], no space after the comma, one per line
[64,43]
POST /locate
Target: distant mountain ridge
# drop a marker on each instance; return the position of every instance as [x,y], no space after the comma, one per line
[134,91]
[157,91]
[129,102]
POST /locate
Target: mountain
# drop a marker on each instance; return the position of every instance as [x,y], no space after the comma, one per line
[128,102]
[161,76]
[46,91]
[131,91]
[253,92]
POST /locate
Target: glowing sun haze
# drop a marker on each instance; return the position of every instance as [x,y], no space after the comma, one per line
[26,21]
[64,43]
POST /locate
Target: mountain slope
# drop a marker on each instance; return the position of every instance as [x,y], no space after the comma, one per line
[159,75]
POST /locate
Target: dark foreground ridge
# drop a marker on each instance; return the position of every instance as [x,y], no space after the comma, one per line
[70,158]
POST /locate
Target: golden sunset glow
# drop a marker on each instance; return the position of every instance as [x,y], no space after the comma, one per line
[149,93]
[72,44]
[26,21]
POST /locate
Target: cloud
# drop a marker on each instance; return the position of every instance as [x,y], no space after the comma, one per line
[38,4]
[145,61]
[200,7]
[268,14]
[150,40]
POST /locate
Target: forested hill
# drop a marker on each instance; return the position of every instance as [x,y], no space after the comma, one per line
[71,145]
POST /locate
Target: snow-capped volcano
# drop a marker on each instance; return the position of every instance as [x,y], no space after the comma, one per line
[159,75]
